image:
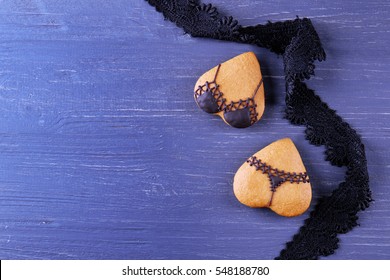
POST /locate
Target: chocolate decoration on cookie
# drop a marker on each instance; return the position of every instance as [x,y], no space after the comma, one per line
[286,189]
[242,113]
[277,177]
[207,102]
[229,97]
[208,97]
[239,118]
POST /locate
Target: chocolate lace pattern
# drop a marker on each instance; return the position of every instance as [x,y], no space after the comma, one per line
[292,177]
[214,88]
[248,103]
[241,104]
[298,43]
[277,177]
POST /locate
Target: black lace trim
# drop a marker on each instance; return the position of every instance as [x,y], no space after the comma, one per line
[299,44]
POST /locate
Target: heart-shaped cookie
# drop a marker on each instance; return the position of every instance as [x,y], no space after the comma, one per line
[274,177]
[233,90]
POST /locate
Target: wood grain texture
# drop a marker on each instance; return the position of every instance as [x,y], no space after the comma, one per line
[105,155]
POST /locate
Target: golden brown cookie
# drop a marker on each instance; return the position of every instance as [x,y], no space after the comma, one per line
[274,177]
[233,90]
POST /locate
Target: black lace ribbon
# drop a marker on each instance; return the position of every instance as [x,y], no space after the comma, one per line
[297,41]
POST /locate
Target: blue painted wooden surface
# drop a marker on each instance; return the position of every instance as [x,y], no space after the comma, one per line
[104,154]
